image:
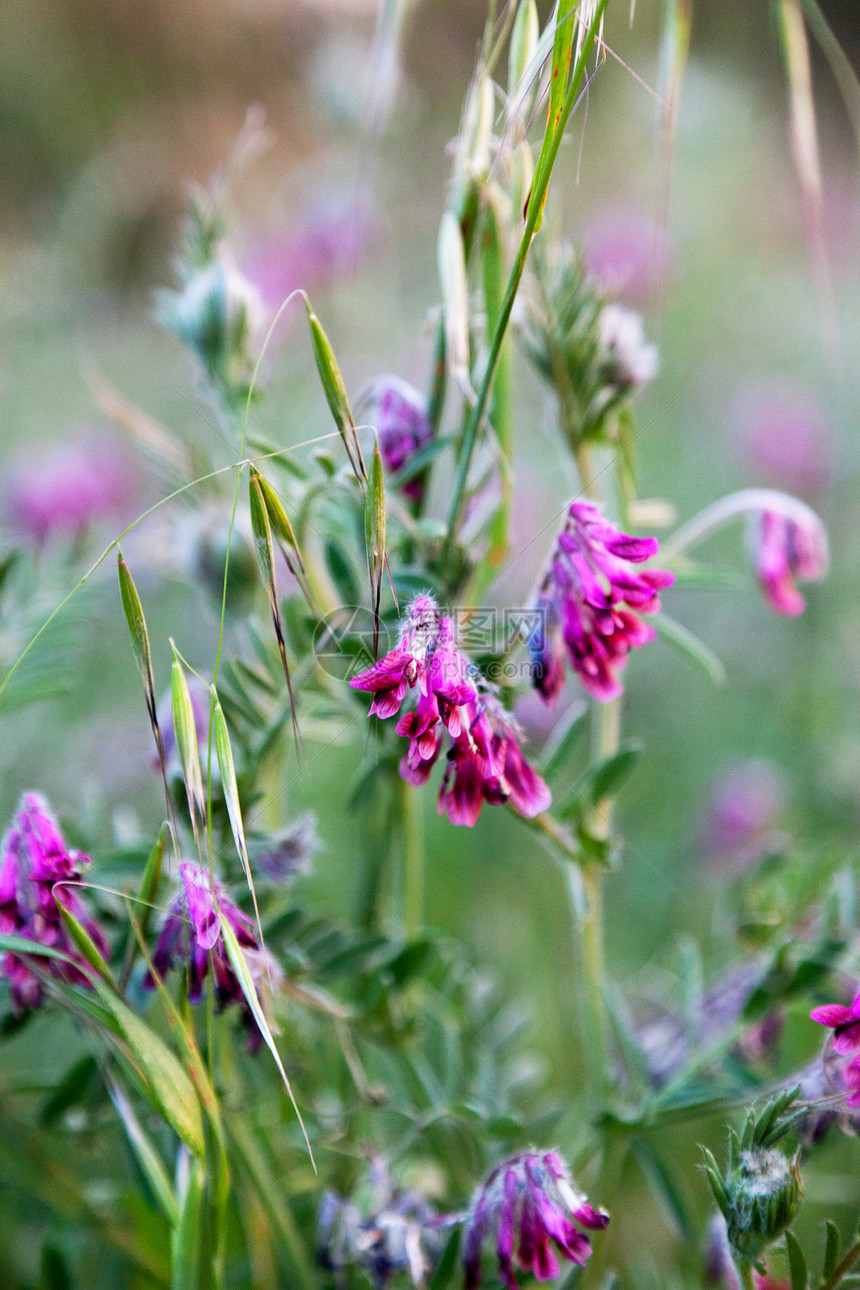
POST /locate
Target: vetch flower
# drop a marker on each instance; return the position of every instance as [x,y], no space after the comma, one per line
[399,413]
[589,604]
[73,485]
[38,873]
[530,1209]
[191,937]
[389,1231]
[484,762]
[844,1022]
[784,549]
[782,430]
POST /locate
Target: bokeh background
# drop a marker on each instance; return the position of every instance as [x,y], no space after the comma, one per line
[110,110]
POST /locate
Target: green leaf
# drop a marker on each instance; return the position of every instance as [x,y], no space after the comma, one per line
[687,643]
[797,1269]
[832,1248]
[134,616]
[335,393]
[249,990]
[185,729]
[374,536]
[21,945]
[164,1076]
[608,777]
[664,1187]
[563,744]
[185,1262]
[84,943]
[145,1154]
[261,526]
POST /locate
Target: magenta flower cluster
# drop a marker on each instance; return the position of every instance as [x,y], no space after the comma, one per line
[38,874]
[191,937]
[484,761]
[844,1021]
[589,604]
[785,550]
[530,1207]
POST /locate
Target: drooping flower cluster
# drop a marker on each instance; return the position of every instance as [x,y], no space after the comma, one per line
[399,413]
[784,549]
[589,605]
[191,937]
[390,1231]
[38,873]
[530,1206]
[485,762]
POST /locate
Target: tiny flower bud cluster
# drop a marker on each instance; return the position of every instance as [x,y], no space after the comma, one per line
[587,602]
[191,937]
[531,1208]
[485,762]
[38,874]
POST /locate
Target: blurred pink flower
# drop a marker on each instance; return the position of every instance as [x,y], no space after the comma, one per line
[785,550]
[784,438]
[618,250]
[740,824]
[66,487]
[325,245]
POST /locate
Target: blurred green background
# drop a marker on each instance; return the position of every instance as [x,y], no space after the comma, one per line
[108,111]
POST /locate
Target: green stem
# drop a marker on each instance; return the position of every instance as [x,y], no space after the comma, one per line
[745,1272]
[844,1268]
[413,861]
[540,184]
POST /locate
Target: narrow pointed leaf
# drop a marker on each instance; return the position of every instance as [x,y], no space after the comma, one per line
[249,989]
[185,1262]
[665,1187]
[335,393]
[85,944]
[185,730]
[455,296]
[374,536]
[169,1086]
[524,39]
[134,617]
[797,1269]
[832,1248]
[145,1153]
[262,530]
[688,644]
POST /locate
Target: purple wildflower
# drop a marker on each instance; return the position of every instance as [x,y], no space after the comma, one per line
[399,413]
[785,548]
[191,934]
[844,1021]
[391,1231]
[68,487]
[531,1206]
[783,434]
[740,825]
[618,254]
[485,762]
[580,601]
[38,873]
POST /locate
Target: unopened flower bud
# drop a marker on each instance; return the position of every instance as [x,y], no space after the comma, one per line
[765,1191]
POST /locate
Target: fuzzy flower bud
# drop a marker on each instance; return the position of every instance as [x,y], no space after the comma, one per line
[530,1208]
[762,1189]
[629,360]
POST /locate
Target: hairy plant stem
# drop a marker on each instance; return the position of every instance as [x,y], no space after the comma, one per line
[413,861]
